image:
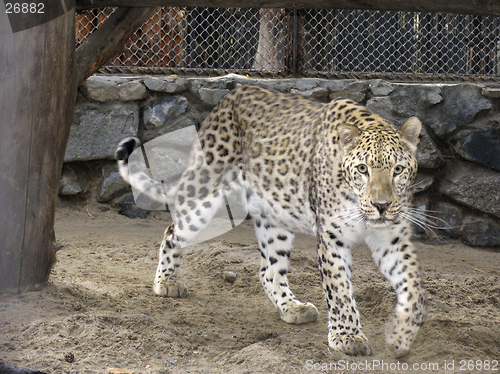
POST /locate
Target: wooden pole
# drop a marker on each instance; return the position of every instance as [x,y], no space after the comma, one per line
[479,7]
[37,97]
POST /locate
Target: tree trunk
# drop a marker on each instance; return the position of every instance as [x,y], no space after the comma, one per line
[272,49]
[37,98]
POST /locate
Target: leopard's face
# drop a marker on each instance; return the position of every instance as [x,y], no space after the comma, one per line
[379,166]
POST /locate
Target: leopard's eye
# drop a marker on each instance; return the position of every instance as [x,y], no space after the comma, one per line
[362,168]
[398,169]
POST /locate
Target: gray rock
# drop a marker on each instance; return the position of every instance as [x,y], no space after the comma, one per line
[389,108]
[449,219]
[222,83]
[379,87]
[482,147]
[166,84]
[316,93]
[481,233]
[111,185]
[355,91]
[432,97]
[422,182]
[140,201]
[335,85]
[472,185]
[461,104]
[281,85]
[131,91]
[493,93]
[71,182]
[490,123]
[428,154]
[406,101]
[112,88]
[97,129]
[230,276]
[212,96]
[444,108]
[314,88]
[319,94]
[129,209]
[164,115]
[305,84]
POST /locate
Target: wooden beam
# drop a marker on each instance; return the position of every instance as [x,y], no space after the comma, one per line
[479,7]
[108,40]
[37,99]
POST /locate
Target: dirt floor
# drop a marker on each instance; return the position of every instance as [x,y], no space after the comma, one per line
[99,307]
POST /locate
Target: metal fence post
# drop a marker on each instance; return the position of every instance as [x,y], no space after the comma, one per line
[295,57]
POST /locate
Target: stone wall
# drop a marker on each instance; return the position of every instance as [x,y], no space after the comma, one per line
[459,152]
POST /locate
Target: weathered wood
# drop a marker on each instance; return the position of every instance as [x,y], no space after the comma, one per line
[480,7]
[37,97]
[109,40]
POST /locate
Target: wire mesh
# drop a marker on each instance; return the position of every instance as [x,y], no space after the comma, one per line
[400,42]
[202,38]
[306,42]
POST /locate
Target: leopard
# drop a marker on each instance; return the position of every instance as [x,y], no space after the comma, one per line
[337,171]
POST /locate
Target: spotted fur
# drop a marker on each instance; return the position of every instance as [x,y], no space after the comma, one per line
[337,171]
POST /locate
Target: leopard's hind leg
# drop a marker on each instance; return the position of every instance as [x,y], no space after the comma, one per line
[167,281]
[191,215]
[275,245]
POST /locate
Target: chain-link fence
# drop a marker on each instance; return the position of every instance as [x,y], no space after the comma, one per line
[306,42]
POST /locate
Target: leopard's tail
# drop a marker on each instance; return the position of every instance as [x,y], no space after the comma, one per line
[136,175]
[123,152]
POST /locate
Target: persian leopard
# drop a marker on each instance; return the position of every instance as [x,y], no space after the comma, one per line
[335,170]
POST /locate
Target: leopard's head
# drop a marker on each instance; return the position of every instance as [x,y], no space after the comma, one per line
[379,165]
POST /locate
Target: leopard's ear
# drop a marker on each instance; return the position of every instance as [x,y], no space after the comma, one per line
[348,136]
[410,131]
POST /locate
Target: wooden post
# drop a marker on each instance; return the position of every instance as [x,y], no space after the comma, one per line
[37,98]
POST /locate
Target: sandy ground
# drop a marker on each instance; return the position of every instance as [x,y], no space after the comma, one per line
[99,306]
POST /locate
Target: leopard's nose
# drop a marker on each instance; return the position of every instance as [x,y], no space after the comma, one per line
[381,207]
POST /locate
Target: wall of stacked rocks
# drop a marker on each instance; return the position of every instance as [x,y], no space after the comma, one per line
[459,152]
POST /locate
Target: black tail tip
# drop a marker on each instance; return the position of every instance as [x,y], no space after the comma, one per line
[126,147]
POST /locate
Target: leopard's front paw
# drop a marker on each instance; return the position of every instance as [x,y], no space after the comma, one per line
[401,332]
[299,313]
[350,344]
[170,288]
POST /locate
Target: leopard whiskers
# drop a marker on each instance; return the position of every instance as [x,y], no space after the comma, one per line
[431,217]
[349,216]
[355,219]
[424,220]
[418,221]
